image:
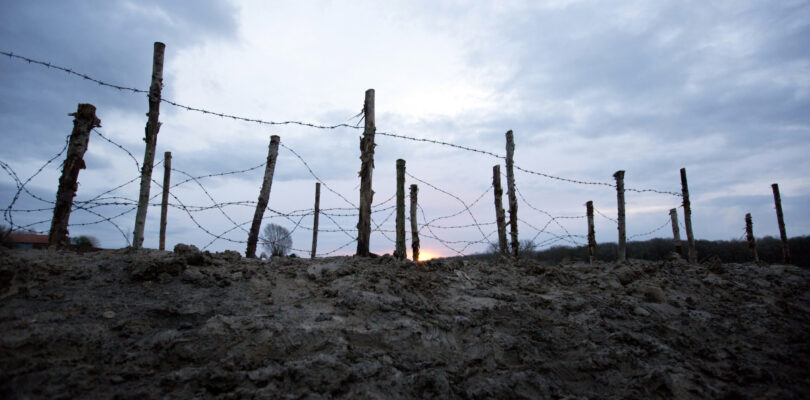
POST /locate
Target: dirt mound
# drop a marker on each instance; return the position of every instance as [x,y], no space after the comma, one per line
[191,324]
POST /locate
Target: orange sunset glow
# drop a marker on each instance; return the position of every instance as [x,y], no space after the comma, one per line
[425,255]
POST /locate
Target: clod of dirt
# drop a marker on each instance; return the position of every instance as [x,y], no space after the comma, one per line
[190,253]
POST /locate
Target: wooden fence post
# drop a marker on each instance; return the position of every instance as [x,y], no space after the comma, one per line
[687,218]
[315,219]
[749,234]
[500,215]
[619,175]
[414,226]
[510,185]
[164,206]
[152,128]
[780,218]
[84,120]
[366,169]
[264,197]
[676,232]
[591,233]
[400,252]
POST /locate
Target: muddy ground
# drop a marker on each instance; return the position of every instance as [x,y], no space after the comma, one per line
[151,324]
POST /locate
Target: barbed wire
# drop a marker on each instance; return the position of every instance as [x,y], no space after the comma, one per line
[21,185]
[605,216]
[173,103]
[466,207]
[664,225]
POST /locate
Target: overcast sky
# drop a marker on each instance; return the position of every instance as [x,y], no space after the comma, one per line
[589,87]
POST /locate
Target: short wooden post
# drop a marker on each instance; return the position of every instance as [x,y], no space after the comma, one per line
[366,169]
[687,218]
[619,175]
[780,218]
[84,120]
[164,206]
[400,252]
[510,186]
[591,233]
[500,215]
[676,232]
[749,234]
[414,226]
[315,218]
[264,197]
[152,128]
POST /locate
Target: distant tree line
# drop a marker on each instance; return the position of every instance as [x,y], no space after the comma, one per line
[729,251]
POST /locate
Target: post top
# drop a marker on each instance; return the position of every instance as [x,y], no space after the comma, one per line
[618,174]
[275,139]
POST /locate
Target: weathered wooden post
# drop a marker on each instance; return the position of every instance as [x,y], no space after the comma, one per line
[676,232]
[687,218]
[500,215]
[749,234]
[400,252]
[264,197]
[414,226]
[84,120]
[164,206]
[780,218]
[510,185]
[366,169]
[619,175]
[315,218]
[591,233]
[152,128]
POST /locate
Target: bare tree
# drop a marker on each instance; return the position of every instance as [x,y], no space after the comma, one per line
[276,240]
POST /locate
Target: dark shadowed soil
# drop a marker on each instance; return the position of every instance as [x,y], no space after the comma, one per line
[150,324]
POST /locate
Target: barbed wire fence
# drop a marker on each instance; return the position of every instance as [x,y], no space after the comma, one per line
[111,208]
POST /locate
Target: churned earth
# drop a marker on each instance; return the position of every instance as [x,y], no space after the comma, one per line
[190,324]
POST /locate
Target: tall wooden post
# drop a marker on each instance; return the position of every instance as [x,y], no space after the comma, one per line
[400,252]
[366,169]
[264,197]
[676,232]
[164,206]
[510,185]
[414,226]
[749,234]
[687,218]
[84,120]
[500,215]
[152,128]
[619,175]
[315,218]
[780,218]
[591,233]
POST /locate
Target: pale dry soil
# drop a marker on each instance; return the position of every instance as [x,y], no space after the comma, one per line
[185,324]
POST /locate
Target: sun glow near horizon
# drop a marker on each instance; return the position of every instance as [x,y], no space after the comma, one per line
[425,255]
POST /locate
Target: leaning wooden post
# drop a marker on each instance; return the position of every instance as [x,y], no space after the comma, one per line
[152,128]
[500,215]
[619,175]
[687,218]
[315,218]
[749,234]
[510,185]
[591,233]
[84,120]
[400,252]
[164,205]
[264,197]
[366,169]
[414,226]
[676,232]
[780,218]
